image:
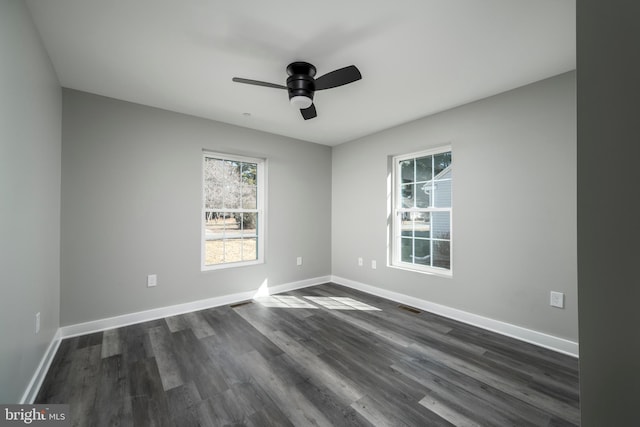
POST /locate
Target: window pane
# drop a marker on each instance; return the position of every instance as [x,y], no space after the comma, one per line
[231,184]
[406,224]
[423,252]
[214,197]
[214,252]
[249,249]
[407,171]
[233,238]
[441,225]
[424,169]
[406,250]
[214,225]
[212,184]
[214,237]
[249,173]
[423,195]
[249,197]
[442,194]
[407,192]
[213,234]
[249,221]
[233,249]
[422,224]
[441,162]
[249,186]
[441,254]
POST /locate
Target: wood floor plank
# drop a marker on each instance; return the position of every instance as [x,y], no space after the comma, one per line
[85,377]
[199,325]
[136,344]
[252,396]
[507,384]
[223,409]
[195,365]
[519,350]
[90,339]
[375,414]
[284,392]
[177,323]
[279,362]
[113,394]
[111,343]
[269,416]
[267,320]
[317,370]
[182,402]
[234,334]
[396,412]
[385,384]
[332,406]
[55,386]
[463,399]
[163,350]
[148,400]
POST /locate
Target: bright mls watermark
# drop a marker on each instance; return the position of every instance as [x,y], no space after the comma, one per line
[35,415]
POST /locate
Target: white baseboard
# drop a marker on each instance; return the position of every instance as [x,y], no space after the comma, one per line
[173,310]
[41,371]
[541,339]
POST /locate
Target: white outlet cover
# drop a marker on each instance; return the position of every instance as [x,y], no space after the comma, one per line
[299,260]
[557,299]
[152,280]
[374,264]
[360,262]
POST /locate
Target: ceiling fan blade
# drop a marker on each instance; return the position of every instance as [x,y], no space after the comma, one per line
[257,83]
[338,77]
[309,113]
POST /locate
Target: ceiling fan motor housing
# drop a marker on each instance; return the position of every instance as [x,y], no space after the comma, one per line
[300,81]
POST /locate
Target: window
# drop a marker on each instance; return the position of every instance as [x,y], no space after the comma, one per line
[232,211]
[421,231]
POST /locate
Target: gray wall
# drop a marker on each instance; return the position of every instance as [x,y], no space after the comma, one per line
[514,208]
[131,203]
[30,115]
[608,178]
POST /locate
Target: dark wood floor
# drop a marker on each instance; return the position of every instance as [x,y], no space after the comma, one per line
[316,356]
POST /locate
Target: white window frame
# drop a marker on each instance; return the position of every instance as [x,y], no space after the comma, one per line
[397,210]
[260,210]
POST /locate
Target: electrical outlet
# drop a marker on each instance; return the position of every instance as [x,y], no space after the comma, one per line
[152,280]
[557,299]
[360,262]
[374,264]
[299,261]
[37,322]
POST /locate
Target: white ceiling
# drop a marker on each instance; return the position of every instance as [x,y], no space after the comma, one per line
[417,57]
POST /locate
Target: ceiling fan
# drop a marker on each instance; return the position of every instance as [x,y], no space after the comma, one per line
[302,85]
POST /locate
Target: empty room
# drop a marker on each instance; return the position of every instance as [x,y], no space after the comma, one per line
[409,213]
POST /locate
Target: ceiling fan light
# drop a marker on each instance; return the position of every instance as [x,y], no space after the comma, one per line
[301,102]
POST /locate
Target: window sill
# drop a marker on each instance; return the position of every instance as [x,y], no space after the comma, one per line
[230,265]
[448,274]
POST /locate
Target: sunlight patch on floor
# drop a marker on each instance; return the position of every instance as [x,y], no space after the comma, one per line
[342,303]
[284,301]
[331,303]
